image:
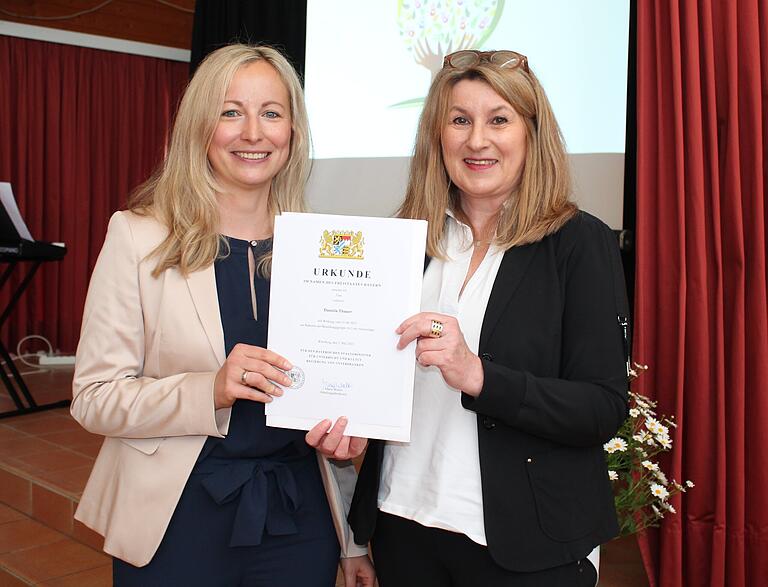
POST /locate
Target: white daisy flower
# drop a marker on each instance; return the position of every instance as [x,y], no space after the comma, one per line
[689,484]
[615,445]
[659,491]
[653,425]
[668,506]
[650,465]
[613,475]
[665,442]
[659,474]
[634,412]
[641,437]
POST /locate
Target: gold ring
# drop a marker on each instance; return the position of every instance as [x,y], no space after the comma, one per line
[436,330]
[244,377]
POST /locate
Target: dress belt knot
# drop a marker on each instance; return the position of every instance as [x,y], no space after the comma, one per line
[267,492]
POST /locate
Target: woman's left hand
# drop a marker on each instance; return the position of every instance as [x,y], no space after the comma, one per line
[358,572]
[332,443]
[461,368]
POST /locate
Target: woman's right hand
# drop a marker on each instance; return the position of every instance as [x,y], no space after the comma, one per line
[249,373]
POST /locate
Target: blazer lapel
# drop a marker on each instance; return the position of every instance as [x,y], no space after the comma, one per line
[511,271]
[202,287]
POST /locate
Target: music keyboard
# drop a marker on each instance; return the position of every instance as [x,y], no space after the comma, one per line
[25,250]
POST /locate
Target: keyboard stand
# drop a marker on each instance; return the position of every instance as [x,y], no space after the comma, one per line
[9,374]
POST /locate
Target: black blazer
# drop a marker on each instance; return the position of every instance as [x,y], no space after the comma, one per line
[555,389]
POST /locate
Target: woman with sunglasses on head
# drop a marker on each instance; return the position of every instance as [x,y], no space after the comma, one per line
[190,486]
[521,366]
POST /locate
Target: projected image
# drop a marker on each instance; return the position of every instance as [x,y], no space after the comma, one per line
[432,30]
[369,65]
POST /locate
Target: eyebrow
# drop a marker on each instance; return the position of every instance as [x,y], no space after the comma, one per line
[267,103]
[496,109]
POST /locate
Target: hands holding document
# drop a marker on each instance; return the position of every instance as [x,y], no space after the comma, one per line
[333,443]
[340,287]
[444,348]
[248,373]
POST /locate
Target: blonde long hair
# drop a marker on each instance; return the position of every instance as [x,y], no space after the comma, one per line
[540,204]
[181,193]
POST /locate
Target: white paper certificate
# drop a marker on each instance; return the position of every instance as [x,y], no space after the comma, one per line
[341,285]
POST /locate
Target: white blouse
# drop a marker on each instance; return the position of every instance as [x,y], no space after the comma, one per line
[435,479]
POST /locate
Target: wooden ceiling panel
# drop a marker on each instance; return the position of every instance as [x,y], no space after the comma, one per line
[147,21]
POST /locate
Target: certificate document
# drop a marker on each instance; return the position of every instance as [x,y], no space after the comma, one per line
[341,285]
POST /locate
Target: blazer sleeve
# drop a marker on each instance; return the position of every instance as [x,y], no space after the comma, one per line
[586,402]
[111,396]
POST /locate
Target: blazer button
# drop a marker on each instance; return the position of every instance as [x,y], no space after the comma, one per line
[487,356]
[489,424]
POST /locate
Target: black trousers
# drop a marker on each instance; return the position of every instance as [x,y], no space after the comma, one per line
[408,554]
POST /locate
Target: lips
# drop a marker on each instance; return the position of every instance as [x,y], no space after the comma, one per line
[480,164]
[250,155]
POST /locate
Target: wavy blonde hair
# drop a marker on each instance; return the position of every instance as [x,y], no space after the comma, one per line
[181,193]
[540,204]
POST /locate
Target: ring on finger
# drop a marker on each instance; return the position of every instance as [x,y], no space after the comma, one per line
[244,377]
[436,330]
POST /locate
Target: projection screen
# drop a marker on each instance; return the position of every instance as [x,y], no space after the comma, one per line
[369,65]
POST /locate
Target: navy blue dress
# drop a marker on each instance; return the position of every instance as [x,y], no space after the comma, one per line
[253,512]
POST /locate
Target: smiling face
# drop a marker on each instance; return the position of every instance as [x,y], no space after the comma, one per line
[483,142]
[252,140]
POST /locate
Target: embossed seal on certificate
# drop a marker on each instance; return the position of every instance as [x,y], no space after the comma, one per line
[297,377]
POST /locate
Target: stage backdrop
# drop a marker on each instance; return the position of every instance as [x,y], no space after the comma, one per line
[701,316]
[79,129]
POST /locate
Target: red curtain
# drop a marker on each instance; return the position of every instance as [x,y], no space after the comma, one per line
[79,129]
[701,318]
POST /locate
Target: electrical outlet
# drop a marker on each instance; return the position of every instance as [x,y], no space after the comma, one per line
[56,360]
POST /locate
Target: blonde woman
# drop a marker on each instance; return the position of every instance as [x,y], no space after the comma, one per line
[190,487]
[521,373]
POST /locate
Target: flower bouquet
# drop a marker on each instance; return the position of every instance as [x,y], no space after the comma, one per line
[641,489]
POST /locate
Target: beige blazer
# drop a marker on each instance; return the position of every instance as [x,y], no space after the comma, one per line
[149,351]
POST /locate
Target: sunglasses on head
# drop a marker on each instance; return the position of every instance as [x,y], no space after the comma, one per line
[502,59]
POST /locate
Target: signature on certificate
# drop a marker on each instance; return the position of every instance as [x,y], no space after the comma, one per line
[335,387]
